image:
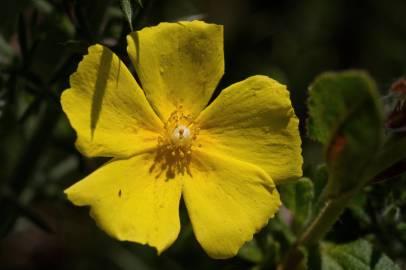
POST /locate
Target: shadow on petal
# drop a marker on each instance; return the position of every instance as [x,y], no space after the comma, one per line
[170,162]
[100,88]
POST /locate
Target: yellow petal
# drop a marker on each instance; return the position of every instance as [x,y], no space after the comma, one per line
[254,121]
[227,201]
[130,203]
[107,108]
[178,64]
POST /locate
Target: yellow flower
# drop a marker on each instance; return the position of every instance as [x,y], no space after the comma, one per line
[165,141]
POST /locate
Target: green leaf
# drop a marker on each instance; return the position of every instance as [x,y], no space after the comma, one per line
[250,251]
[390,160]
[357,255]
[298,198]
[346,116]
[129,10]
[358,208]
[335,97]
[43,5]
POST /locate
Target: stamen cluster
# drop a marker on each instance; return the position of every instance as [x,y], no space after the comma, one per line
[180,133]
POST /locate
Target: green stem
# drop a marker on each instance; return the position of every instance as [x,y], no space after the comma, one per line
[318,228]
[326,218]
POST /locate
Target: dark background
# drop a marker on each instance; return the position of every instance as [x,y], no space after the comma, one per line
[41,43]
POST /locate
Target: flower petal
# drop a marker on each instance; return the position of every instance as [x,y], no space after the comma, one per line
[107,108]
[254,121]
[227,201]
[130,203]
[178,64]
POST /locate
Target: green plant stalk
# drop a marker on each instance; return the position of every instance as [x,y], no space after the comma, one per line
[331,210]
[328,215]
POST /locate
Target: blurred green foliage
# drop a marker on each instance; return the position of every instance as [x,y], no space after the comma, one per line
[41,43]
[347,117]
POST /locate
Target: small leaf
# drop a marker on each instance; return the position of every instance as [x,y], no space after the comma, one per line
[298,198]
[129,10]
[357,206]
[346,116]
[359,254]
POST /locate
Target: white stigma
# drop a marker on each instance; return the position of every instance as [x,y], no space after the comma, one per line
[181,135]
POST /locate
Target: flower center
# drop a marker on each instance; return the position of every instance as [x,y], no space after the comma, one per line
[181,136]
[176,144]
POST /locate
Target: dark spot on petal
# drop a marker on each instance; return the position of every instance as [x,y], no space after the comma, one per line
[119,193]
